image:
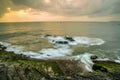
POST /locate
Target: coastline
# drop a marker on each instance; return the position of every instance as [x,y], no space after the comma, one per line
[19,67]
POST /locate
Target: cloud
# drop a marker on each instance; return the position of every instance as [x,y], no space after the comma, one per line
[91,8]
[4,4]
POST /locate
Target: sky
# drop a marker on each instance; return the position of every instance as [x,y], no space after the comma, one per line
[59,10]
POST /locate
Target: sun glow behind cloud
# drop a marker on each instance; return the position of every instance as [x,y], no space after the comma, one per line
[47,1]
[59,10]
[25,15]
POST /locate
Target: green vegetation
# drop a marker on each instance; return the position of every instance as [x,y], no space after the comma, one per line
[43,64]
[108,65]
[10,57]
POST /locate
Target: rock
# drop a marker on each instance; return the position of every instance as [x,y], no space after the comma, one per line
[2,48]
[48,35]
[3,72]
[70,67]
[22,68]
[69,38]
[115,75]
[100,68]
[93,57]
[61,42]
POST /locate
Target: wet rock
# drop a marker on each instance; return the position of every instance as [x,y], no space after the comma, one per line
[93,57]
[2,48]
[100,68]
[61,42]
[48,35]
[69,38]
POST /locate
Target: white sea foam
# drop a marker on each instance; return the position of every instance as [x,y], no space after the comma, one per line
[88,41]
[16,49]
[118,59]
[86,59]
[103,59]
[42,54]
[54,53]
[5,44]
[30,54]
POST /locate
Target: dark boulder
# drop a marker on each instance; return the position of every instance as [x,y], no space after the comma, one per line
[93,57]
[69,38]
[61,42]
[2,48]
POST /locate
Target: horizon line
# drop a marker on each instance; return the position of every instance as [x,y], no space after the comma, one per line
[52,21]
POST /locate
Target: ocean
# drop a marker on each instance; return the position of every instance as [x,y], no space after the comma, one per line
[49,40]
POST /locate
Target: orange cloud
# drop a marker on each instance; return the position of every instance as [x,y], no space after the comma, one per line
[27,15]
[32,15]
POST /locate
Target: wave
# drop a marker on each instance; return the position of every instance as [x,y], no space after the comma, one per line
[86,59]
[66,40]
[14,48]
[118,59]
[54,53]
[48,53]
[62,48]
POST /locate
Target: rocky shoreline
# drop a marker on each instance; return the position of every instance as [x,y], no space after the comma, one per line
[20,67]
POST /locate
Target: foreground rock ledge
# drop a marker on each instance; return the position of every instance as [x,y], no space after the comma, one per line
[20,67]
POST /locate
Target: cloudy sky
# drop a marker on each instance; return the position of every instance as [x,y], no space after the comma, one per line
[59,10]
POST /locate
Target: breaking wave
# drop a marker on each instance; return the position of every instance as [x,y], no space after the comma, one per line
[86,59]
[62,48]
[66,40]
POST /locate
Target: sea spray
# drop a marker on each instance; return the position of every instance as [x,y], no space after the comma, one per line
[118,59]
[76,40]
[86,59]
[14,48]
[55,53]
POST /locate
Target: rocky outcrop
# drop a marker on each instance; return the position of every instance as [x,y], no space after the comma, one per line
[3,72]
[20,67]
[22,72]
[2,48]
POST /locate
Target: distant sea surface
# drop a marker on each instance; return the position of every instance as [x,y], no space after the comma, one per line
[28,37]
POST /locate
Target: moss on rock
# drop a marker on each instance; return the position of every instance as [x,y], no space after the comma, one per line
[106,66]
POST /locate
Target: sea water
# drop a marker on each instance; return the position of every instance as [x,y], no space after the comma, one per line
[89,38]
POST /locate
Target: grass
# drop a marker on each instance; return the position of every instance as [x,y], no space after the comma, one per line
[10,57]
[104,68]
[110,66]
